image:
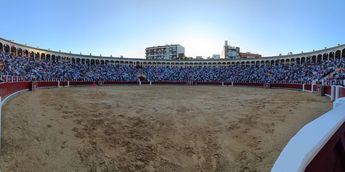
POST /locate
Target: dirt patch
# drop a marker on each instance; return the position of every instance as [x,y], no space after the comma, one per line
[153,128]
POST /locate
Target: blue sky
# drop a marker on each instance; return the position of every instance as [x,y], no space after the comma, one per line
[126,27]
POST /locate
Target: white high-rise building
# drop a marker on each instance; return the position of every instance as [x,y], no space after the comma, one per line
[167,52]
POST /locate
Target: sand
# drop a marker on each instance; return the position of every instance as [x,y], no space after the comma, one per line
[153,128]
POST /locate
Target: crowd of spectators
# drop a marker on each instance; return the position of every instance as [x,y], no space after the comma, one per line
[49,70]
[290,73]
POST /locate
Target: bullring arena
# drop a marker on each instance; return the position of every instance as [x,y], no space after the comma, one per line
[72,112]
[153,128]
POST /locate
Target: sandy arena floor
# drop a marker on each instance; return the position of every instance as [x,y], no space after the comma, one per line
[153,128]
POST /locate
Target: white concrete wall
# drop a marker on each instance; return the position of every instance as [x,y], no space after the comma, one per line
[304,146]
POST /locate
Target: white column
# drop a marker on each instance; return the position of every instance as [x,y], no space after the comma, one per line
[333,92]
[337,92]
[303,87]
[232,83]
[67,83]
[312,88]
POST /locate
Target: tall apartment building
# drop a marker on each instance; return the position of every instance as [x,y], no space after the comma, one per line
[167,52]
[230,52]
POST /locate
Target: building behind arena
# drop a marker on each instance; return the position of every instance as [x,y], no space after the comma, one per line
[165,52]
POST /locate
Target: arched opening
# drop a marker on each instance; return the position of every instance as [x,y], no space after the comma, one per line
[37,56]
[319,58]
[337,54]
[92,61]
[313,59]
[97,62]
[267,62]
[32,55]
[298,61]
[13,51]
[88,61]
[1,47]
[325,57]
[262,63]
[26,53]
[308,59]
[48,57]
[7,48]
[73,60]
[287,61]
[292,61]
[282,61]
[78,60]
[302,60]
[343,53]
[20,52]
[247,63]
[83,61]
[331,56]
[43,57]
[256,63]
[53,57]
[277,62]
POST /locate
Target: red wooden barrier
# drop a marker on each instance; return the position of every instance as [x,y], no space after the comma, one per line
[332,156]
[328,90]
[9,88]
[63,83]
[169,82]
[207,83]
[315,87]
[292,86]
[72,83]
[47,84]
[120,82]
[342,92]
[248,84]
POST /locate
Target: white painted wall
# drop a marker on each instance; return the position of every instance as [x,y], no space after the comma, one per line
[305,145]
